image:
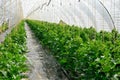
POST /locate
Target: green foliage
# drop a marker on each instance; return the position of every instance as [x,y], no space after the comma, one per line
[12,59]
[84,53]
[3,27]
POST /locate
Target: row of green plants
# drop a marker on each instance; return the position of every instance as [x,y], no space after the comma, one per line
[3,27]
[83,52]
[12,59]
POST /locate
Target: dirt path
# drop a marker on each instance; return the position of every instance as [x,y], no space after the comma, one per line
[42,65]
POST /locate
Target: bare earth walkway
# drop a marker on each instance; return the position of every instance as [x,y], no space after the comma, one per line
[42,65]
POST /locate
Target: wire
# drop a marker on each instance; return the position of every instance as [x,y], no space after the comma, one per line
[47,4]
[108,13]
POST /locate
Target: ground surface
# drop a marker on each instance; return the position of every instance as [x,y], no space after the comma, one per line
[42,65]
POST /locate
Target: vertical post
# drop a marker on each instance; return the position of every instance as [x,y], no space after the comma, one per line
[103,22]
[20,10]
[10,14]
[4,10]
[4,14]
[15,13]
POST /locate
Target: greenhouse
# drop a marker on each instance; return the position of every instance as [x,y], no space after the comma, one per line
[59,39]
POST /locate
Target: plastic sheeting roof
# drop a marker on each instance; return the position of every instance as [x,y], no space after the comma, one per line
[11,11]
[101,14]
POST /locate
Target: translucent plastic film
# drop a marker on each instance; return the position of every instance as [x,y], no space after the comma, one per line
[10,11]
[101,14]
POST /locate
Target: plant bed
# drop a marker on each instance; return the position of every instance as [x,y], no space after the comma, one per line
[12,59]
[83,52]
